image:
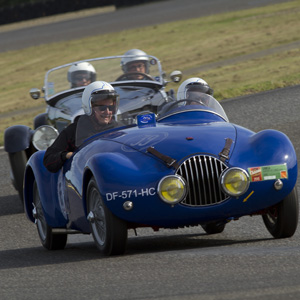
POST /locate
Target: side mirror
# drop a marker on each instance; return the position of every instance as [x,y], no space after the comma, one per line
[176,76]
[35,93]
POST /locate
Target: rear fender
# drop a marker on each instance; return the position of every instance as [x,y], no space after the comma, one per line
[17,138]
[47,184]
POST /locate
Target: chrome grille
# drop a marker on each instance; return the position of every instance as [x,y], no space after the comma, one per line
[202,173]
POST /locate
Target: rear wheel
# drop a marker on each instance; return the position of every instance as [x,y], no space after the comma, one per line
[281,220]
[213,228]
[48,239]
[18,162]
[109,232]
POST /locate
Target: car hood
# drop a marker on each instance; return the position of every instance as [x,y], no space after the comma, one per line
[177,141]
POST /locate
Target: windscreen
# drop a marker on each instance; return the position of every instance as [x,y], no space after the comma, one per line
[68,77]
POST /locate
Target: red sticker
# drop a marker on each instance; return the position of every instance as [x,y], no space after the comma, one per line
[256,174]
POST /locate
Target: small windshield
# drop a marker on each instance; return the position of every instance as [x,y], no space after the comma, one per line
[60,79]
[196,101]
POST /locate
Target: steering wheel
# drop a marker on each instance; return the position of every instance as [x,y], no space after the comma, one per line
[128,76]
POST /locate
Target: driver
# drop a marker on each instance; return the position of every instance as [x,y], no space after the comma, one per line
[81,74]
[132,66]
[100,103]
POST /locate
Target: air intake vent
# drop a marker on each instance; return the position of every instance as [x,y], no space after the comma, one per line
[202,173]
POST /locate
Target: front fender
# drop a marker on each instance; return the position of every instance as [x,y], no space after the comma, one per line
[266,148]
[40,120]
[47,184]
[17,138]
[118,174]
[123,168]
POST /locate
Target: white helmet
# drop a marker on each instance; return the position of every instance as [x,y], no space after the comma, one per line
[83,68]
[96,91]
[137,55]
[195,84]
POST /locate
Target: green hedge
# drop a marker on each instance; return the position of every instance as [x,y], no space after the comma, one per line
[20,10]
[11,3]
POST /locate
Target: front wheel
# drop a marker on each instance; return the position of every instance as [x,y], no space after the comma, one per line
[281,220]
[48,239]
[109,232]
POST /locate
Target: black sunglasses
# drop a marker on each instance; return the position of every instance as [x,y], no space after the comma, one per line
[105,107]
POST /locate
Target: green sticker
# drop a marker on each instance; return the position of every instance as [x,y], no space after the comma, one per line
[268,172]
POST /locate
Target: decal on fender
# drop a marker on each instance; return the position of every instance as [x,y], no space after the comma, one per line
[268,172]
[143,141]
[51,90]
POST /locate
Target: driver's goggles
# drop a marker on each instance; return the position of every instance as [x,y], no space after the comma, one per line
[136,66]
[99,102]
[105,107]
[82,78]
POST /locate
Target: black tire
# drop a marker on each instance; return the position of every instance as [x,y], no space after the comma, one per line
[109,232]
[48,239]
[18,162]
[281,220]
[213,228]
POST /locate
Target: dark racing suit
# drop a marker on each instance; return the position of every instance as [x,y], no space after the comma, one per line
[55,155]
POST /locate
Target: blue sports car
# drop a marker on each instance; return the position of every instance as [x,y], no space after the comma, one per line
[186,166]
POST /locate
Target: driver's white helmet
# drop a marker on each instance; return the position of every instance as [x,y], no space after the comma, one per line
[138,55]
[98,90]
[195,84]
[83,68]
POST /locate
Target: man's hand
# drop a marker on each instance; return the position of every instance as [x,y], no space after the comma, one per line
[69,154]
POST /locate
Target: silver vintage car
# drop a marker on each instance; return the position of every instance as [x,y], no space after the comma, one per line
[141,90]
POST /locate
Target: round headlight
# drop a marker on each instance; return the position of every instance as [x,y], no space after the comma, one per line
[44,136]
[172,189]
[235,181]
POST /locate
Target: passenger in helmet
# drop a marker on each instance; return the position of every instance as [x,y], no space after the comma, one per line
[192,85]
[194,89]
[81,74]
[100,104]
[135,67]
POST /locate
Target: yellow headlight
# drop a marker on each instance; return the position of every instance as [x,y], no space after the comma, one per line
[172,189]
[235,181]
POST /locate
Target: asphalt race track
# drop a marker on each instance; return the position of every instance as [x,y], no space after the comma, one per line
[244,262]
